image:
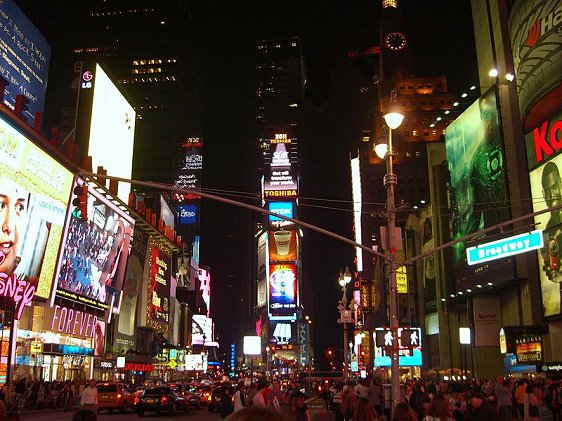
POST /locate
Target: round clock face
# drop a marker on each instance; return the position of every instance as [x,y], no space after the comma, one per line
[395,41]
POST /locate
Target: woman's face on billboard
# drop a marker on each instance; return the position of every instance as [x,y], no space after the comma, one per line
[13,205]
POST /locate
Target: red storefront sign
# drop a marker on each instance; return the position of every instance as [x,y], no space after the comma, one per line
[138,367]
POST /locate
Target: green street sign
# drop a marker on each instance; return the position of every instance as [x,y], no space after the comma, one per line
[505,247]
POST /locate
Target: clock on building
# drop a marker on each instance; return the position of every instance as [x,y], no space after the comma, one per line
[395,41]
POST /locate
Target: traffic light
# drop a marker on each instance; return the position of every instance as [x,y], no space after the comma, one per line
[80,202]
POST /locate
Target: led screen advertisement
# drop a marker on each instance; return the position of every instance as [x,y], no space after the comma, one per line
[545,165]
[188,214]
[284,209]
[282,246]
[93,258]
[191,168]
[280,178]
[112,131]
[282,332]
[428,262]
[34,196]
[24,59]
[202,330]
[125,325]
[159,289]
[283,291]
[480,198]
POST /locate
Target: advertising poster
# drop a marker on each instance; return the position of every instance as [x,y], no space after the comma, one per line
[126,322]
[99,339]
[204,276]
[282,246]
[475,153]
[112,131]
[283,291]
[282,332]
[191,168]
[280,178]
[201,330]
[284,209]
[159,289]
[263,257]
[545,165]
[428,262]
[34,196]
[93,258]
[188,214]
[24,59]
[166,213]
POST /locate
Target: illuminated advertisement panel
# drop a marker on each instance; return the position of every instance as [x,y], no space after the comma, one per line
[407,356]
[428,262]
[202,330]
[112,131]
[282,332]
[196,362]
[24,61]
[166,214]
[188,214]
[205,287]
[282,246]
[93,258]
[34,196]
[284,209]
[357,201]
[280,178]
[479,190]
[545,164]
[158,309]
[283,299]
[190,170]
[125,326]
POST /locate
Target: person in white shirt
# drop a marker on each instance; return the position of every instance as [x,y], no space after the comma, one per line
[239,399]
[259,399]
[89,398]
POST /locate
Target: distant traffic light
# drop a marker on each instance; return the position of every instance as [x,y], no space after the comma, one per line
[80,202]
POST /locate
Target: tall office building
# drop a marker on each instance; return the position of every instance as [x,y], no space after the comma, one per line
[279,269]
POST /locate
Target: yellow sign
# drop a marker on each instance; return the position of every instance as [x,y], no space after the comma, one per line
[402,280]
[36,348]
[172,364]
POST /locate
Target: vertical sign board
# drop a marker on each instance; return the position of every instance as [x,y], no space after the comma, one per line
[545,169]
[24,59]
[280,173]
[283,299]
[476,158]
[357,202]
[428,262]
[158,308]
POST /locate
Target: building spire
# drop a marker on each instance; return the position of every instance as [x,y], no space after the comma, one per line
[389,3]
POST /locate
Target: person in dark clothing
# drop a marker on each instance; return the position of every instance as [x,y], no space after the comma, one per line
[482,410]
[226,403]
[417,401]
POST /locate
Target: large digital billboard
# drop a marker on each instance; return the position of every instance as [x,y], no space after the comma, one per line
[283,291]
[34,195]
[428,262]
[280,177]
[284,209]
[158,308]
[476,158]
[24,59]
[545,164]
[204,276]
[282,246]
[191,168]
[202,330]
[93,258]
[282,332]
[112,131]
[125,326]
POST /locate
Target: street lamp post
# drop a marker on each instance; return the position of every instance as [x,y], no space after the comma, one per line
[345,317]
[393,118]
[267,349]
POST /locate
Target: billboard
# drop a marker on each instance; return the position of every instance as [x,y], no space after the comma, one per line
[158,308]
[190,170]
[24,61]
[407,356]
[93,258]
[280,178]
[284,209]
[188,214]
[476,158]
[282,246]
[204,275]
[428,262]
[112,131]
[545,166]
[166,213]
[202,329]
[283,291]
[357,206]
[282,332]
[125,325]
[34,195]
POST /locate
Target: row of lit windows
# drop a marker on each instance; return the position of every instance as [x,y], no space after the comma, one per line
[142,62]
[120,12]
[93,49]
[151,107]
[148,79]
[147,70]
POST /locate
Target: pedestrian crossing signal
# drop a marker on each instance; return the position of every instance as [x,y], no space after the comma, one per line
[80,202]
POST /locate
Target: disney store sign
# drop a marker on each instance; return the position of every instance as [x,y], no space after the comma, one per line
[21,292]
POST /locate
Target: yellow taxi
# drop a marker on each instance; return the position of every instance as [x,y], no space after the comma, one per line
[115,396]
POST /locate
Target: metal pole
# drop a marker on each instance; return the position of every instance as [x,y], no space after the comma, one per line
[390,181]
[344,305]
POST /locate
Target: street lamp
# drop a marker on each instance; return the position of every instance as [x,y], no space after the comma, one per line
[267,349]
[345,316]
[393,118]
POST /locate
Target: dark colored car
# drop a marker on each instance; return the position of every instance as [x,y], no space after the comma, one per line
[215,402]
[160,399]
[193,397]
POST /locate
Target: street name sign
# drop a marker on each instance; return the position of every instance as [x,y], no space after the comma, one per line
[505,247]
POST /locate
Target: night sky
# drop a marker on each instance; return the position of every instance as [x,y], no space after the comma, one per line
[226,34]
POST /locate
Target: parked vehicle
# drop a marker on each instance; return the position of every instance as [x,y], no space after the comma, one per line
[114,396]
[160,399]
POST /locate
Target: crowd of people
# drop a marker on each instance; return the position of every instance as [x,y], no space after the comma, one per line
[26,394]
[496,399]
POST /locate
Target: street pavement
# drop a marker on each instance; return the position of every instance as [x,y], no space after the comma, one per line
[316,406]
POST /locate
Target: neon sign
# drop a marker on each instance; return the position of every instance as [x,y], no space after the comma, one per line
[20,291]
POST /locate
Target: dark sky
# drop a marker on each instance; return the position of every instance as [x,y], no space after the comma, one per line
[226,34]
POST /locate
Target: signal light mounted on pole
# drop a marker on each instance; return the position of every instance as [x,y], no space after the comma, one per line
[80,202]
